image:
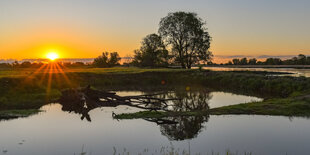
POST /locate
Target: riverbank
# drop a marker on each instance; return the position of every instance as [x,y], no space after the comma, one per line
[262,66]
[283,95]
[292,106]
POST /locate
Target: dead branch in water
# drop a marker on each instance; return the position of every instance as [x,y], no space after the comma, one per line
[83,100]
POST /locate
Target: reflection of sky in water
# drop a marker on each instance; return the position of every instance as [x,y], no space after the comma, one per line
[297,72]
[57,132]
[218,99]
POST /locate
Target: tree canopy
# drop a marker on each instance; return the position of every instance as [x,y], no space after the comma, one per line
[187,35]
[107,60]
[301,59]
[152,52]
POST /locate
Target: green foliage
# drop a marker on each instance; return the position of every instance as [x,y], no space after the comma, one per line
[10,114]
[285,107]
[107,60]
[152,53]
[188,37]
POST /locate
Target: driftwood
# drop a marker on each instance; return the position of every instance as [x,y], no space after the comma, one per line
[83,100]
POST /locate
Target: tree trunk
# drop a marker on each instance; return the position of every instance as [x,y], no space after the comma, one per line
[183,65]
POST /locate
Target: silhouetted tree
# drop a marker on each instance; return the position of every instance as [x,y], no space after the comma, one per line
[301,59]
[308,60]
[114,59]
[236,61]
[229,63]
[152,52]
[15,64]
[252,61]
[107,60]
[243,61]
[25,64]
[187,35]
[260,63]
[273,61]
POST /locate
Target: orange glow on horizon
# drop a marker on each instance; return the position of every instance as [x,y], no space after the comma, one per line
[52,56]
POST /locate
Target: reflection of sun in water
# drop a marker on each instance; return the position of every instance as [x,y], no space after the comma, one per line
[52,56]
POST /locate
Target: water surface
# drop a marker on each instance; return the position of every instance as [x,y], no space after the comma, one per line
[58,132]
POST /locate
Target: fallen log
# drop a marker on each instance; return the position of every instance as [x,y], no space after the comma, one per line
[83,100]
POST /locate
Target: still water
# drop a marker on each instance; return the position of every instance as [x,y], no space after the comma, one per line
[296,72]
[58,132]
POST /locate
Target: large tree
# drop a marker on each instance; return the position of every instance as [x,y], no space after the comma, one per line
[152,52]
[188,37]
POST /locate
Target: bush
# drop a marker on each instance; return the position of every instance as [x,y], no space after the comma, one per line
[107,60]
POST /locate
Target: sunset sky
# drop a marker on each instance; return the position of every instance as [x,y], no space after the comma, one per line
[86,28]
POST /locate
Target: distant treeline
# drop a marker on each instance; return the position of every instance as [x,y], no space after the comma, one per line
[28,64]
[299,60]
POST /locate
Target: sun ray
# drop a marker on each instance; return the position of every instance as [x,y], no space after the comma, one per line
[44,74]
[63,74]
[49,81]
[37,71]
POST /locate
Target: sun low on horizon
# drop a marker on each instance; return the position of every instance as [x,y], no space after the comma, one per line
[52,55]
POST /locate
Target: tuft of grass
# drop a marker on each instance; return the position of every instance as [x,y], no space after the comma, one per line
[10,114]
[159,114]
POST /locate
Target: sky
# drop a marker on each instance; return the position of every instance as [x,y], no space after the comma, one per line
[86,28]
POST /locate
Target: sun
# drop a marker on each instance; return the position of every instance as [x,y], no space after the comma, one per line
[52,56]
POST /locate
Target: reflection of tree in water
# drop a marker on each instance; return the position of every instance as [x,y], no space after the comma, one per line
[175,128]
[191,100]
[187,127]
[83,100]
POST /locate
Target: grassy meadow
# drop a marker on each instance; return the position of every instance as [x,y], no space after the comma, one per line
[28,89]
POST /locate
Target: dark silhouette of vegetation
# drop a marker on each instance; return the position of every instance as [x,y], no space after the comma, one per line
[107,60]
[252,61]
[5,65]
[185,32]
[75,100]
[152,53]
[188,127]
[25,64]
[28,64]
[299,60]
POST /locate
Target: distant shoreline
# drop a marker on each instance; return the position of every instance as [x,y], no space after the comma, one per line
[250,66]
[261,66]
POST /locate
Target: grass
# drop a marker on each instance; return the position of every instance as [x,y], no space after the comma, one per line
[10,114]
[25,89]
[22,72]
[159,114]
[167,150]
[283,107]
